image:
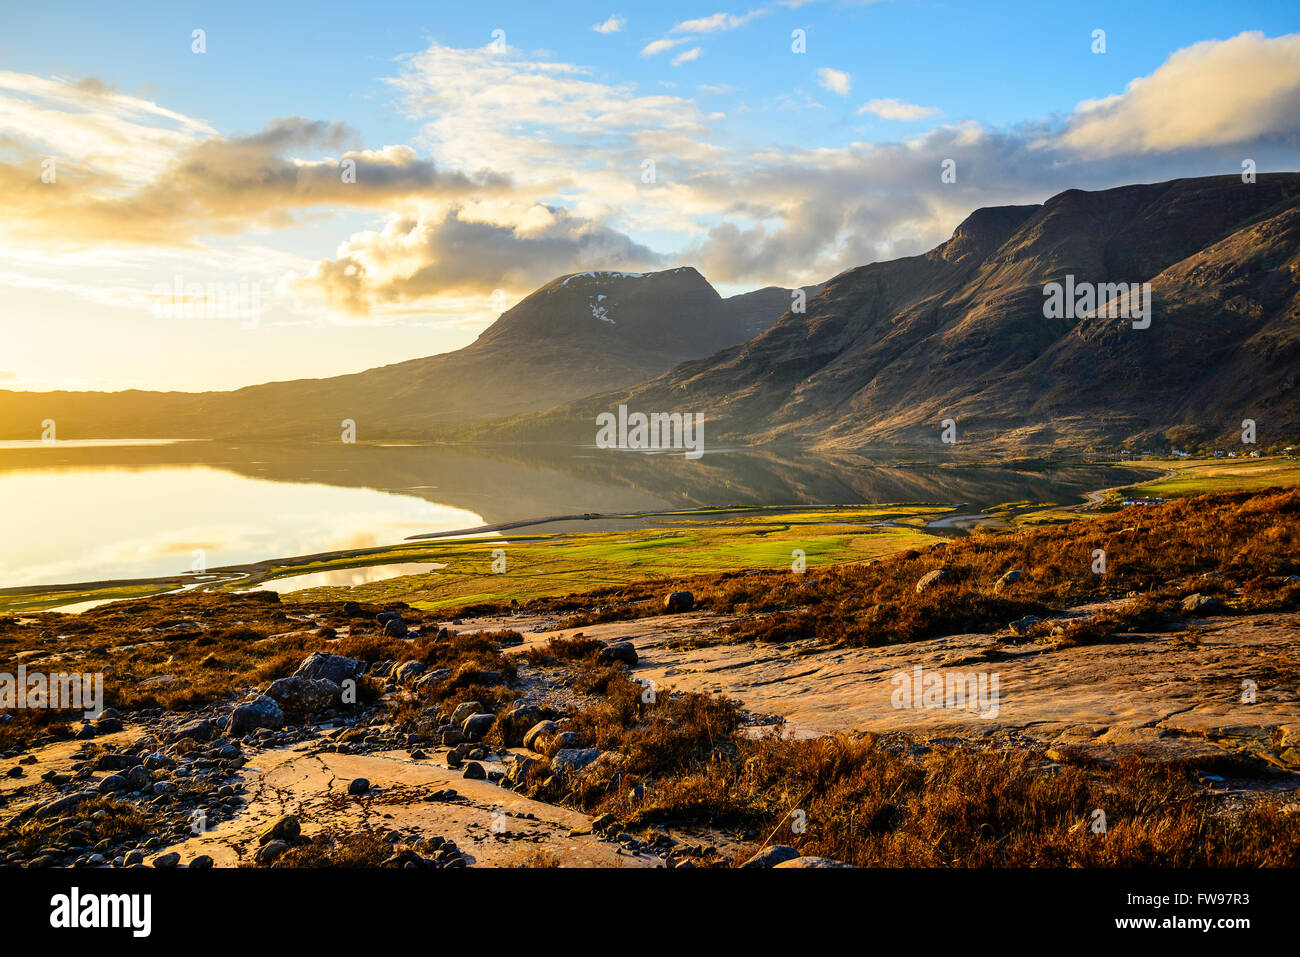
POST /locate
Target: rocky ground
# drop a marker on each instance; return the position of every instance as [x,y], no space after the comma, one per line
[238,782]
[232,785]
[250,731]
[1161,696]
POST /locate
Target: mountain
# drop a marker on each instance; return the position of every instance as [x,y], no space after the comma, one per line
[577,335]
[886,352]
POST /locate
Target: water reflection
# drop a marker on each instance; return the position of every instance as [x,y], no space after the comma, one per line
[82,513]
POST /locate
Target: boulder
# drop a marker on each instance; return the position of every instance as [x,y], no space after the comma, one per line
[305,695]
[284,828]
[58,806]
[408,671]
[771,856]
[138,779]
[113,783]
[200,730]
[567,760]
[201,863]
[431,678]
[474,771]
[619,651]
[320,665]
[477,725]
[395,628]
[517,771]
[269,853]
[541,730]
[167,860]
[464,710]
[1007,580]
[518,720]
[1199,604]
[679,601]
[1022,625]
[358,786]
[261,712]
[930,579]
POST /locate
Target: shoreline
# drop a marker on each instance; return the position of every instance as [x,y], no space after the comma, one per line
[950,525]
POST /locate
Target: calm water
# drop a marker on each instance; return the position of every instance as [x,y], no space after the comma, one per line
[79,512]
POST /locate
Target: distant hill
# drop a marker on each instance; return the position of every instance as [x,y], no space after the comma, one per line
[577,335]
[886,352]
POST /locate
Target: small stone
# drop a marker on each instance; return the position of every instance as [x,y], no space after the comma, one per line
[167,860]
[358,786]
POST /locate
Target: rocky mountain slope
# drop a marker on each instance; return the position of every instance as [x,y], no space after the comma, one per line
[886,352]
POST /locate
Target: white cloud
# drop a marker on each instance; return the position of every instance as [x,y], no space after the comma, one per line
[694,53]
[94,127]
[718,22]
[656,47]
[1208,94]
[837,81]
[569,196]
[614,24]
[892,109]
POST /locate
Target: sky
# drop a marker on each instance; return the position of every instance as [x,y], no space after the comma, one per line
[201,196]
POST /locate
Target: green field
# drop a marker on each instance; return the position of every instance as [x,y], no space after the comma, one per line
[1198,476]
[538,566]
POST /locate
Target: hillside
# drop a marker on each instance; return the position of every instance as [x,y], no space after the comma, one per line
[889,350]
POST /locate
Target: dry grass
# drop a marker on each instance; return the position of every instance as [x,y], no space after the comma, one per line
[874,801]
[96,820]
[364,848]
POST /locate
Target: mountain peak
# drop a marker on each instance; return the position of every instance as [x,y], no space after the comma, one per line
[983,231]
[600,277]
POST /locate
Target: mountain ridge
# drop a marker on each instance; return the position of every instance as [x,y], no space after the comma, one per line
[578,334]
[886,352]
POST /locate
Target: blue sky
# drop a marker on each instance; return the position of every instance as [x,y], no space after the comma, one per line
[486,171]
